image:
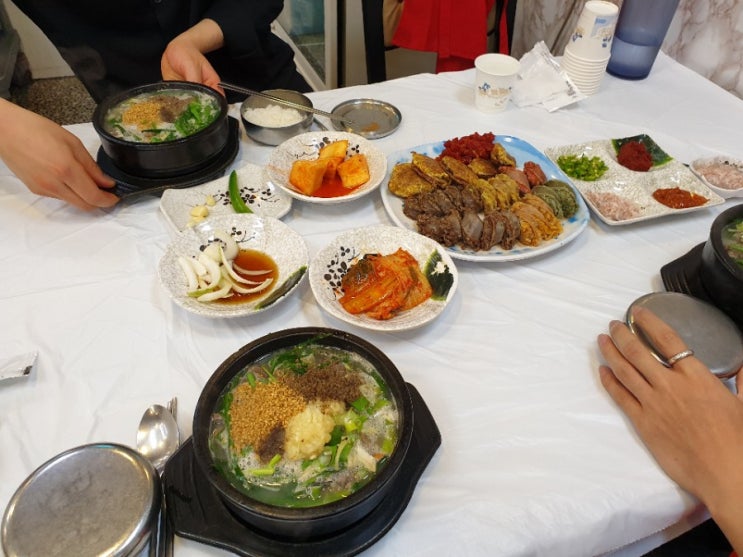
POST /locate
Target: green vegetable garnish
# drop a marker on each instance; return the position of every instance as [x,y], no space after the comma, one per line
[583,167]
[238,203]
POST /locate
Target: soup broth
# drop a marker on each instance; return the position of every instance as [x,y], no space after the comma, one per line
[304,426]
[160,116]
[732,240]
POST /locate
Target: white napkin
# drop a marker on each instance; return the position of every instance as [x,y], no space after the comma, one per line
[541,81]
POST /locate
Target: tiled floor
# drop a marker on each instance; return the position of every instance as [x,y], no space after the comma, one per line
[62,99]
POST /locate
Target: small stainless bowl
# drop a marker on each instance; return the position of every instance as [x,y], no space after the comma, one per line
[97,499]
[275,135]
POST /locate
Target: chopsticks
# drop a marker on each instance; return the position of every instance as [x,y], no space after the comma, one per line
[278,100]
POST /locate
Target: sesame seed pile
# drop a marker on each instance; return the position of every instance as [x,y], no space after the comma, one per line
[142,114]
[259,415]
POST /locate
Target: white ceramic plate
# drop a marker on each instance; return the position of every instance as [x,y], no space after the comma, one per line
[632,187]
[265,234]
[307,146]
[257,191]
[722,192]
[330,264]
[522,152]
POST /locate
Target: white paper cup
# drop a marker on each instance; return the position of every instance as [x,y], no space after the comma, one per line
[594,30]
[494,77]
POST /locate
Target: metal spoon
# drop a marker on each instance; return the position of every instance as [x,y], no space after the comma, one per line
[278,100]
[158,437]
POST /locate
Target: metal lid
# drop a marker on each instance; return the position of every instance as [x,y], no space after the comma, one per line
[711,334]
[98,499]
[374,118]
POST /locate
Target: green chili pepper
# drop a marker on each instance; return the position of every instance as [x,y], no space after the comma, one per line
[238,203]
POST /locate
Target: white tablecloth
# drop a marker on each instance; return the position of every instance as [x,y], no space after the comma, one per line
[535,459]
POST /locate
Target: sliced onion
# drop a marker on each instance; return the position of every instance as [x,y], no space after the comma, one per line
[233,275]
[212,268]
[212,251]
[241,289]
[223,292]
[188,270]
[248,271]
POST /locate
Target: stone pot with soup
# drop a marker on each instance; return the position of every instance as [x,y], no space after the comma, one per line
[302,432]
[721,269]
[164,129]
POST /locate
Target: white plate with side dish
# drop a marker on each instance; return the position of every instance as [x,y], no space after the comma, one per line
[622,196]
[723,175]
[307,146]
[260,195]
[268,236]
[331,263]
[522,152]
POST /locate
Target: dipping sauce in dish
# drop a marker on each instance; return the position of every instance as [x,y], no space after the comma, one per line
[676,198]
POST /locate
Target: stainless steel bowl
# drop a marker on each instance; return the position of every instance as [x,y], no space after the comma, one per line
[98,499]
[275,135]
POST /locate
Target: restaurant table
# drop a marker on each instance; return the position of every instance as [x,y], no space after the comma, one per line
[535,457]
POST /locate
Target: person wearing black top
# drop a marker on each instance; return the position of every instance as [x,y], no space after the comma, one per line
[115,45]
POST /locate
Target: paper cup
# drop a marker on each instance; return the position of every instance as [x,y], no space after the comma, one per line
[494,77]
[594,30]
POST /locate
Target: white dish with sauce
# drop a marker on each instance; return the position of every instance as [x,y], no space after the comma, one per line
[268,236]
[307,146]
[623,196]
[722,175]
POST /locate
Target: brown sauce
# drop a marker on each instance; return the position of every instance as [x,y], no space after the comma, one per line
[253,260]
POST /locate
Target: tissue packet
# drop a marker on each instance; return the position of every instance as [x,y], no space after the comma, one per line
[541,81]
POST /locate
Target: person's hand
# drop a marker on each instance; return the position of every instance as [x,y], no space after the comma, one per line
[689,420]
[184,60]
[50,160]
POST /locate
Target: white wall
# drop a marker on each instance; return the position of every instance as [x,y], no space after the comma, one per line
[43,58]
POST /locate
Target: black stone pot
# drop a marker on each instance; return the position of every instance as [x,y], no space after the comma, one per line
[721,276]
[167,159]
[313,522]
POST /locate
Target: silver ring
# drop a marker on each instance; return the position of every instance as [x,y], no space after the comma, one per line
[680,356]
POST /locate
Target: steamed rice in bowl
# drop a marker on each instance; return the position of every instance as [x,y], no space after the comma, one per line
[273,116]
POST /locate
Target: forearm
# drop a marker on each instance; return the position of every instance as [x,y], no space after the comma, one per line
[725,510]
[205,36]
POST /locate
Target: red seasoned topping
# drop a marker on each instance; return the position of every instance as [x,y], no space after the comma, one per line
[475,145]
[676,198]
[634,155]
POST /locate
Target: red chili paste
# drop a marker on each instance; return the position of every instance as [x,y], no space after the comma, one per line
[676,198]
[634,155]
[469,147]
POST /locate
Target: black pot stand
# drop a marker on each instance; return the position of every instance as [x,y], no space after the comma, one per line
[129,186]
[684,275]
[198,513]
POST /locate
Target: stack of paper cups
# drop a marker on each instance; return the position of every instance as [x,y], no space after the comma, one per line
[588,51]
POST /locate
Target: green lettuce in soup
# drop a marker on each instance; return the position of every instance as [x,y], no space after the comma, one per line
[160,116]
[304,426]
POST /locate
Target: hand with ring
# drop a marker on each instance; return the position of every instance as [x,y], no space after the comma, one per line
[687,417]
